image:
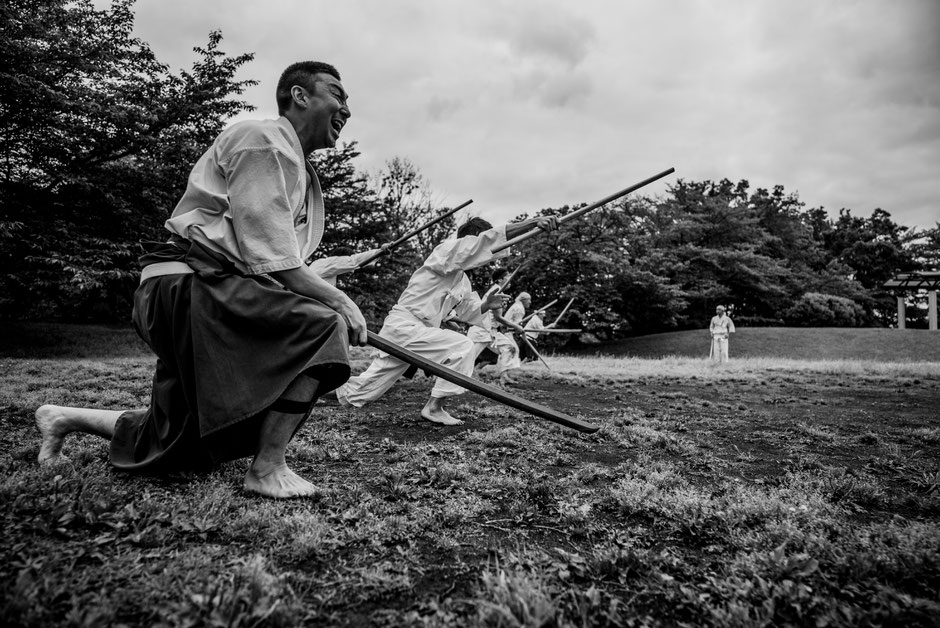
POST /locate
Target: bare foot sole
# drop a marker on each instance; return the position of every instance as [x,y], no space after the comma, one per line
[279,483]
[440,416]
[49,421]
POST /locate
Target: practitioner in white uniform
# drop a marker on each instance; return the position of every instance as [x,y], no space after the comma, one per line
[534,325]
[438,287]
[516,311]
[488,335]
[720,328]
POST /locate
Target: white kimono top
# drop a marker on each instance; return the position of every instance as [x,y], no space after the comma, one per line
[515,313]
[535,324]
[441,285]
[253,198]
[721,326]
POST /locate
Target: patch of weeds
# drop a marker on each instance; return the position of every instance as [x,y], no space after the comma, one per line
[802,462]
[508,437]
[380,581]
[396,484]
[442,475]
[868,438]
[928,482]
[816,432]
[325,446]
[928,435]
[304,537]
[843,486]
[248,595]
[464,507]
[515,596]
[592,473]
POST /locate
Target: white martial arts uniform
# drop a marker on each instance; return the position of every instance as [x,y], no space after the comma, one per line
[533,326]
[434,290]
[515,313]
[488,335]
[721,327]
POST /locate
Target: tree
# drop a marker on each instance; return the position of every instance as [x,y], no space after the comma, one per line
[97,137]
[874,249]
[824,310]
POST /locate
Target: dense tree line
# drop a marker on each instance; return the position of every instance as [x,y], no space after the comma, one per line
[98,136]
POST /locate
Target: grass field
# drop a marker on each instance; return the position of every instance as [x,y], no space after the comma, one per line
[813,343]
[769,491]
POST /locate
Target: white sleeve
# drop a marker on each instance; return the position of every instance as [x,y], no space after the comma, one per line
[468,310]
[467,252]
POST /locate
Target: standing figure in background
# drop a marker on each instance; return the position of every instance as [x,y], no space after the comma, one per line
[720,328]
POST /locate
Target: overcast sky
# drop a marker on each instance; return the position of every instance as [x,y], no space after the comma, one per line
[525,104]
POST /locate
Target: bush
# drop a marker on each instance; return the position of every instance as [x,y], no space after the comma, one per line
[814,309]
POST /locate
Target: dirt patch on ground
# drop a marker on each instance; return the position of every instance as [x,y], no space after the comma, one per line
[754,429]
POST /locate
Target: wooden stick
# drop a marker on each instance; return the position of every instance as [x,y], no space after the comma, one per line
[505,282]
[554,331]
[564,311]
[538,311]
[412,233]
[531,348]
[490,392]
[584,210]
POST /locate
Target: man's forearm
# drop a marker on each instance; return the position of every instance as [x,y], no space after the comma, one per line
[306,282]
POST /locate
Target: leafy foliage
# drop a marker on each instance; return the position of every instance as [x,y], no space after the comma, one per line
[823,310]
[97,135]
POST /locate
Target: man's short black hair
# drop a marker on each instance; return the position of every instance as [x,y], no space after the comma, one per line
[474,226]
[300,73]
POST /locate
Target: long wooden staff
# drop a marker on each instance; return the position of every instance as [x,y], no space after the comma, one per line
[412,234]
[526,318]
[534,351]
[584,210]
[490,392]
[556,331]
[563,312]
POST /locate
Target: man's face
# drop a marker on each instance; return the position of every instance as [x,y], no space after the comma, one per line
[719,311]
[526,302]
[326,111]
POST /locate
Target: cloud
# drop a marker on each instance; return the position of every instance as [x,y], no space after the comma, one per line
[439,108]
[525,104]
[545,31]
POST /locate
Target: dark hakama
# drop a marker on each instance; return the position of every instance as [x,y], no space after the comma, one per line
[227,347]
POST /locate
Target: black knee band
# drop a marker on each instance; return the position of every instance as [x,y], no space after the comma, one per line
[289,406]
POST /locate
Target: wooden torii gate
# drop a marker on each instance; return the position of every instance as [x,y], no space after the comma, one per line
[902,283]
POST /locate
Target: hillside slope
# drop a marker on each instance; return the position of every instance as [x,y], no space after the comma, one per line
[798,343]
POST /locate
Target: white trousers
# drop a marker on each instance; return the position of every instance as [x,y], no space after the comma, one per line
[501,344]
[719,351]
[447,348]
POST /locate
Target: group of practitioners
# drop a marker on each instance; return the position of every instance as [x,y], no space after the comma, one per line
[248,335]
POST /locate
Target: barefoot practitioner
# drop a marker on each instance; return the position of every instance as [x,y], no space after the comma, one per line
[241,357]
[434,290]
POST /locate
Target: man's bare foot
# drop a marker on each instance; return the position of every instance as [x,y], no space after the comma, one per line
[52,426]
[279,483]
[439,415]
